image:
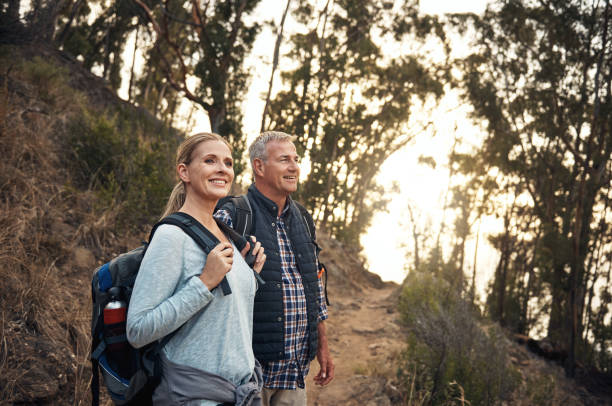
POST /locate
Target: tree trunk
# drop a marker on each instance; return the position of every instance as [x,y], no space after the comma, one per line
[557,331]
[44,20]
[12,12]
[279,39]
[73,13]
[131,82]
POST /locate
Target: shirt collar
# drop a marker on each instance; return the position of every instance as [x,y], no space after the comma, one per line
[267,203]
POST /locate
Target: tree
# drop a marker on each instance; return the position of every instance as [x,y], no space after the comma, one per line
[541,77]
[209,42]
[350,106]
[193,50]
[38,24]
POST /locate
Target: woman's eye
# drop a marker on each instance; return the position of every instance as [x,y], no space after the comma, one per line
[229,164]
[209,161]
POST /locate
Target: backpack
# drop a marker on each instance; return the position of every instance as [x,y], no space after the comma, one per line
[243,224]
[130,374]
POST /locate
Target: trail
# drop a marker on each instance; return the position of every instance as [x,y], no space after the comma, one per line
[364,336]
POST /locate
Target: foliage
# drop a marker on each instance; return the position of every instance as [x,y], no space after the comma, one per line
[349,105]
[48,80]
[449,355]
[539,78]
[209,43]
[539,389]
[125,160]
[204,44]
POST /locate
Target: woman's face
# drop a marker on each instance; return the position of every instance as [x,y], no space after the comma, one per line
[210,172]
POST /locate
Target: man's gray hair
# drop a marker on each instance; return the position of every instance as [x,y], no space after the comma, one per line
[257,150]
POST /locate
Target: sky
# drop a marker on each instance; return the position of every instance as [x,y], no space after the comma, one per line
[423,187]
[420,186]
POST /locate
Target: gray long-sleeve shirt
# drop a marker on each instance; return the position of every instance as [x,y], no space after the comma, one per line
[217,331]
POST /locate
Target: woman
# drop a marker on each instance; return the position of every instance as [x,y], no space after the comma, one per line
[209,360]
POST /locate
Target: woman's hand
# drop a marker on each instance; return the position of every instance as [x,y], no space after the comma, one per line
[218,262]
[258,253]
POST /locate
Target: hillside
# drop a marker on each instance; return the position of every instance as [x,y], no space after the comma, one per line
[60,220]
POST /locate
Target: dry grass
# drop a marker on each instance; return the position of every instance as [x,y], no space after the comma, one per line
[44,294]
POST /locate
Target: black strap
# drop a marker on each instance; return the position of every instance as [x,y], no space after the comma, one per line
[244,215]
[200,234]
[95,383]
[240,242]
[325,282]
[95,379]
[205,239]
[309,221]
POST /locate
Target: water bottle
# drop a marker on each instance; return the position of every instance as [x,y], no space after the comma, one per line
[117,346]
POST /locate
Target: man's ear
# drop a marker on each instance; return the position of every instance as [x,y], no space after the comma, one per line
[183,172]
[258,166]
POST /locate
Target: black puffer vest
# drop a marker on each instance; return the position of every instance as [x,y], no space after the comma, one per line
[268,314]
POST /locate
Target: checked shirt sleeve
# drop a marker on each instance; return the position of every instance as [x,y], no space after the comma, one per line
[224,216]
[323,315]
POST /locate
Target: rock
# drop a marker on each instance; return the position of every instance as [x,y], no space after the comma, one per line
[36,385]
[374,346]
[42,376]
[365,330]
[393,393]
[381,400]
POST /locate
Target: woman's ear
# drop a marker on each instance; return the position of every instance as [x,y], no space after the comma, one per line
[183,172]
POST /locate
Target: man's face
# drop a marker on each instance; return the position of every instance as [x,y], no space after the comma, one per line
[280,172]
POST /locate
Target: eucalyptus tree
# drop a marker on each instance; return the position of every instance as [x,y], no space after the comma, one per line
[29,21]
[208,42]
[540,75]
[96,32]
[349,99]
[192,49]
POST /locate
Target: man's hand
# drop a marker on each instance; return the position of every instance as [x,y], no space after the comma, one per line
[326,372]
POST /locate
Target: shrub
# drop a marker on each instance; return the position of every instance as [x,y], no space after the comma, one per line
[126,162]
[449,355]
[540,389]
[48,79]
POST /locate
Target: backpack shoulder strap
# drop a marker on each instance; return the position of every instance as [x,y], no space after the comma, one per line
[308,220]
[244,215]
[241,212]
[192,227]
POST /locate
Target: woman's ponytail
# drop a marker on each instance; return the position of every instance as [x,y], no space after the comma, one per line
[176,199]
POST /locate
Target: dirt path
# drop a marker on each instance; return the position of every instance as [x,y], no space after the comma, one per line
[364,335]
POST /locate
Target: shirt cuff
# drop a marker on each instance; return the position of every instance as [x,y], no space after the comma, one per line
[200,288]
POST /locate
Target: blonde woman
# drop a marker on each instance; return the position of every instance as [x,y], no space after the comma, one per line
[209,360]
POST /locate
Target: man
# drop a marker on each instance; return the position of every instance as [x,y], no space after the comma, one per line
[289,312]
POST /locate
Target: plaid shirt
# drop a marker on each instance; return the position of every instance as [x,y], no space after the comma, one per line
[290,372]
